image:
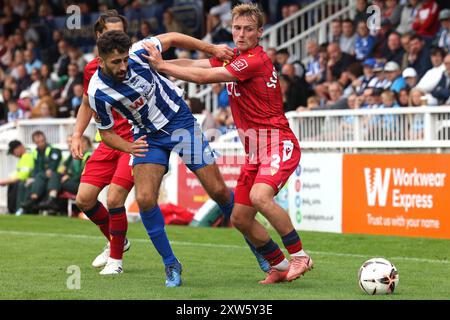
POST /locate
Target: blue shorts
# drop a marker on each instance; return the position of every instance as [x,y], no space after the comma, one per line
[181,135]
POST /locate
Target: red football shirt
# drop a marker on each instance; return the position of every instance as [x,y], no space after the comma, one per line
[255,99]
[121,125]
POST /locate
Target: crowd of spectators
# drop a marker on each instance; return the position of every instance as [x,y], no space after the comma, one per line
[407,59]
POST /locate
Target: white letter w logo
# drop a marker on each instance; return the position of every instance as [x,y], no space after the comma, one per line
[377,185]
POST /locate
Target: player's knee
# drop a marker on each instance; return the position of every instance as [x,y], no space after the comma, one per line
[239,221]
[259,201]
[115,200]
[145,201]
[85,202]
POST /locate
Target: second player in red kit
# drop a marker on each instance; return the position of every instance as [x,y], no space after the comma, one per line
[272,150]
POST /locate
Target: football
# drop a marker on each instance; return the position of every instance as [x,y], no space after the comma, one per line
[378,276]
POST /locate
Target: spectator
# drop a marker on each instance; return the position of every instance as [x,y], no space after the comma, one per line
[431,78]
[442,90]
[16,182]
[29,33]
[372,98]
[426,23]
[410,76]
[347,40]
[298,85]
[388,101]
[14,112]
[394,75]
[283,57]
[336,31]
[223,11]
[393,12]
[64,101]
[361,12]
[145,30]
[316,71]
[335,93]
[31,62]
[62,63]
[68,177]
[25,103]
[403,98]
[23,81]
[46,162]
[367,80]
[5,98]
[76,99]
[76,56]
[418,56]
[364,42]
[222,95]
[393,50]
[381,37]
[408,16]
[338,61]
[44,98]
[46,79]
[417,99]
[170,23]
[272,54]
[443,37]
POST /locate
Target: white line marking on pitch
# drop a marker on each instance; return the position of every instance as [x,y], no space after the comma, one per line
[210,245]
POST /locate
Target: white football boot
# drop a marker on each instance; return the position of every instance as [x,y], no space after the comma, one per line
[113,266]
[102,258]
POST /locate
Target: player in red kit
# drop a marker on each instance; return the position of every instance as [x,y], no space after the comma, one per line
[272,150]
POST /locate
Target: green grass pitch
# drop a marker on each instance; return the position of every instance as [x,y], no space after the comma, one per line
[35,252]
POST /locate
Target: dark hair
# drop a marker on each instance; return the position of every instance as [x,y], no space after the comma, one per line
[416,37]
[109,16]
[37,133]
[113,40]
[283,51]
[437,50]
[347,20]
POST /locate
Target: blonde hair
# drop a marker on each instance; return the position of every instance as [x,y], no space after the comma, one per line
[388,95]
[248,10]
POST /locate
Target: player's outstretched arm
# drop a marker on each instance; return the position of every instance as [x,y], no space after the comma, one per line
[137,148]
[83,118]
[192,74]
[178,40]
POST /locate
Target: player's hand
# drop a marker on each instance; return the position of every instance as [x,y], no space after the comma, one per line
[139,147]
[76,148]
[154,56]
[223,52]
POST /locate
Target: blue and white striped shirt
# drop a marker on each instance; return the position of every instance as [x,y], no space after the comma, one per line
[145,97]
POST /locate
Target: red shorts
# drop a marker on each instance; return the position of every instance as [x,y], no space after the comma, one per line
[107,166]
[273,170]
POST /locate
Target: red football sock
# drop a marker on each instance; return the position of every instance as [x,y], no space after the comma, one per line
[99,215]
[118,230]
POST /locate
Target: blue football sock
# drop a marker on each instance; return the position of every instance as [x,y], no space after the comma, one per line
[228,208]
[153,221]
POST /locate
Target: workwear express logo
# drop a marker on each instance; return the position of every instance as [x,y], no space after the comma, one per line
[377,186]
[408,190]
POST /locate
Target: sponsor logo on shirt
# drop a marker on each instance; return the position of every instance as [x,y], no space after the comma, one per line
[239,65]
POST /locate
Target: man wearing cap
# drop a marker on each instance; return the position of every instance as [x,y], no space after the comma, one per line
[443,37]
[366,80]
[16,182]
[394,75]
[380,81]
[410,76]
